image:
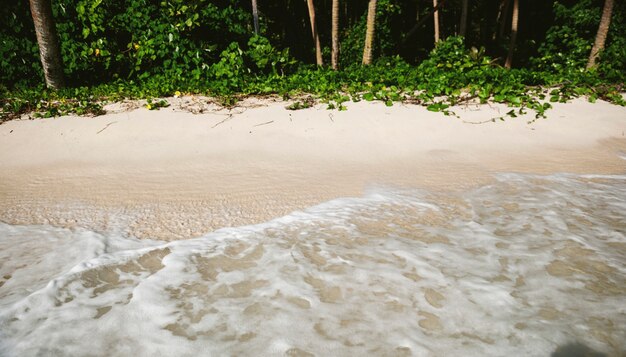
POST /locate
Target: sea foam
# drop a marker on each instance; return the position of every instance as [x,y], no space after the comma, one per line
[518,267]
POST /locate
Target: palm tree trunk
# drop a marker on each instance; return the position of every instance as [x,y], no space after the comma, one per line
[603,30]
[316,39]
[255,15]
[48,42]
[514,19]
[436,18]
[463,26]
[369,32]
[334,57]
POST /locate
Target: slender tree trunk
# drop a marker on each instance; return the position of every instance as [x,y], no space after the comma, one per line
[494,34]
[463,26]
[417,11]
[505,5]
[514,18]
[334,58]
[440,19]
[316,39]
[436,18]
[48,42]
[255,15]
[603,30]
[369,32]
[419,23]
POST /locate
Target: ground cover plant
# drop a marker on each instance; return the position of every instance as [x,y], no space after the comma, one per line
[145,49]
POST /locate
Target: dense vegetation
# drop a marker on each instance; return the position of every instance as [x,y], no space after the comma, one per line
[156,48]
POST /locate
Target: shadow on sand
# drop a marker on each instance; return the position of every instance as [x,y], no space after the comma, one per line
[576,350]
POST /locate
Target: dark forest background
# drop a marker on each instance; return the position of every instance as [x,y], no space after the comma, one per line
[103,40]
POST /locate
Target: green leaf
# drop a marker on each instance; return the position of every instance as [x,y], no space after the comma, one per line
[515,100]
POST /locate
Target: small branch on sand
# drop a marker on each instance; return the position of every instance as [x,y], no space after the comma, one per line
[492,120]
[106,126]
[267,122]
[228,117]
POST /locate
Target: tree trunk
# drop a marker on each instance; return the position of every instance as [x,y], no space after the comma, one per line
[514,18]
[436,18]
[48,42]
[417,11]
[334,57]
[463,26]
[419,23]
[502,13]
[316,39]
[369,32]
[255,15]
[603,30]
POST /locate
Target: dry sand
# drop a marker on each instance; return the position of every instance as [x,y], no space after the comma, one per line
[174,174]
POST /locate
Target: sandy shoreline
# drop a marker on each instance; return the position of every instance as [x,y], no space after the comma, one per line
[183,174]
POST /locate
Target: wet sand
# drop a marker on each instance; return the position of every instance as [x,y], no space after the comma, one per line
[174,174]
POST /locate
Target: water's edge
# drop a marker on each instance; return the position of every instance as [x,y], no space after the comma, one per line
[521,266]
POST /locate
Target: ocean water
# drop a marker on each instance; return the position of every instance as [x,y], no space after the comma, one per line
[521,267]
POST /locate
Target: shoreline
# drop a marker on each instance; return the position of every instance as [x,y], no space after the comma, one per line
[183,175]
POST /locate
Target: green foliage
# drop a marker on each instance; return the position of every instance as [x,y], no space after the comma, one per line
[156,105]
[45,104]
[352,41]
[451,66]
[260,60]
[264,58]
[228,73]
[18,47]
[568,42]
[133,39]
[451,75]
[307,102]
[143,49]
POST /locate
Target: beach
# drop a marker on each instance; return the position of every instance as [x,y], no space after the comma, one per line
[260,161]
[256,230]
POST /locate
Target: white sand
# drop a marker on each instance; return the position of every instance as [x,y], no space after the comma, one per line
[184,174]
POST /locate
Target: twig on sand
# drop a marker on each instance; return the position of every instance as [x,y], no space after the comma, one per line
[267,122]
[229,116]
[106,126]
[492,120]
